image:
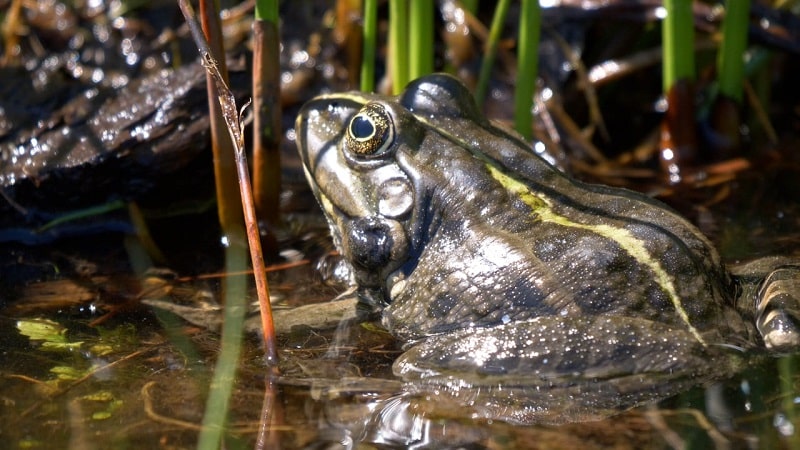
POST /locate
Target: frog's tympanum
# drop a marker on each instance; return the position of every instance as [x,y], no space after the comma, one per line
[504,275]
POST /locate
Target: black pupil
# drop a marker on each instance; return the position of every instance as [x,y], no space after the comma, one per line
[361,128]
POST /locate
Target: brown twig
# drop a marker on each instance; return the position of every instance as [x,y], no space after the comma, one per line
[235,428]
[228,205]
[268,269]
[151,413]
[10,28]
[236,129]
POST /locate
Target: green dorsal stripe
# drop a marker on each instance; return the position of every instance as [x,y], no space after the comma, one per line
[633,245]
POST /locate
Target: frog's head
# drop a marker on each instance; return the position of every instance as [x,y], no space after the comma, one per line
[360,153]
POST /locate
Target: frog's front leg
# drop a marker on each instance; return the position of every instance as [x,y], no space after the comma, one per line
[778,309]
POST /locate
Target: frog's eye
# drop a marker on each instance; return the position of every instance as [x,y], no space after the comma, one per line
[370,131]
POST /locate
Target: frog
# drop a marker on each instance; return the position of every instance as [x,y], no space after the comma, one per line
[496,268]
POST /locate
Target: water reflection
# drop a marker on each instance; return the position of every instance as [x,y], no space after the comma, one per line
[395,422]
[703,418]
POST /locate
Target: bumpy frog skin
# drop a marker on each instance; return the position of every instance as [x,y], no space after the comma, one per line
[486,259]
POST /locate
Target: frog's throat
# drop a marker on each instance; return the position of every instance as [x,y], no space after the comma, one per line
[635,247]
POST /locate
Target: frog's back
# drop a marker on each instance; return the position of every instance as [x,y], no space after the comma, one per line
[513,238]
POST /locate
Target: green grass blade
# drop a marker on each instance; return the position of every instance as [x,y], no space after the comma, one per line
[678,36]
[528,65]
[730,60]
[470,5]
[491,49]
[420,29]
[398,44]
[370,40]
[789,369]
[235,291]
[267,10]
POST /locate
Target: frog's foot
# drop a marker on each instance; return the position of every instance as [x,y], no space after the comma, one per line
[778,310]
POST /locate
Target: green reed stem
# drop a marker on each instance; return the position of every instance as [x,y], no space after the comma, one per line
[370,41]
[420,29]
[677,32]
[267,10]
[82,214]
[234,288]
[788,370]
[398,38]
[470,5]
[530,22]
[491,50]
[216,411]
[730,60]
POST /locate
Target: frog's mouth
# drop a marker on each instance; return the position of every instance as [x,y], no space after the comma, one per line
[374,245]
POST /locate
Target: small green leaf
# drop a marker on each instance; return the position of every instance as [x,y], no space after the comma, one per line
[374,328]
[59,346]
[42,330]
[67,373]
[52,333]
[99,396]
[26,443]
[101,349]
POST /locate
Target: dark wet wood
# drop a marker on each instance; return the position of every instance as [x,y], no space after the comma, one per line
[119,140]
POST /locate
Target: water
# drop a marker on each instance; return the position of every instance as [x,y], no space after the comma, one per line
[125,383]
[117,374]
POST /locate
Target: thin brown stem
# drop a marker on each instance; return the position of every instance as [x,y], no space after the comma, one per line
[232,117]
[259,268]
[228,205]
[266,128]
[271,418]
